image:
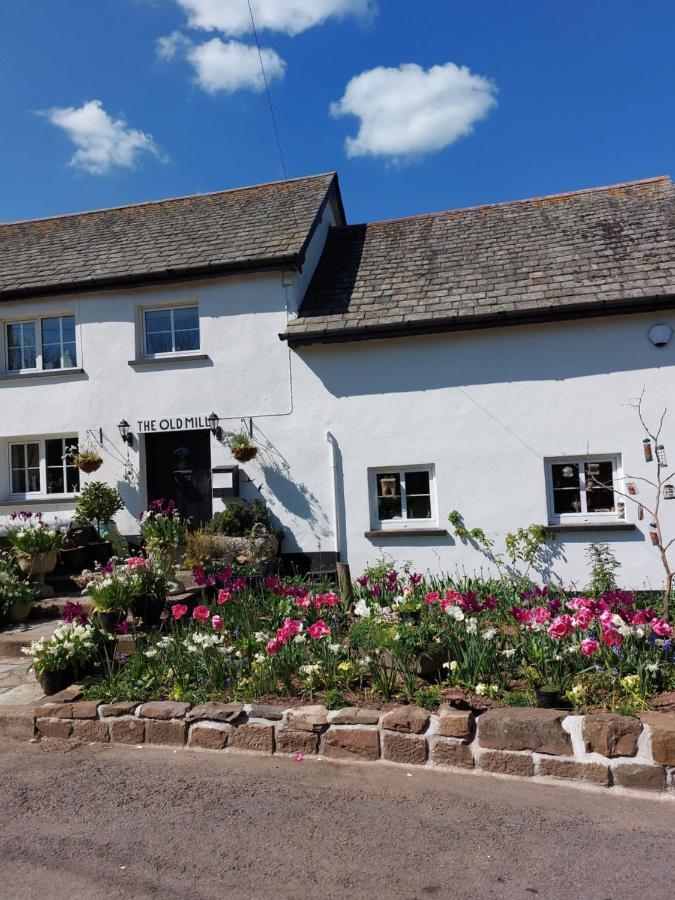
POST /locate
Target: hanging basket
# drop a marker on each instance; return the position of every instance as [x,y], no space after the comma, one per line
[244,454]
[88,464]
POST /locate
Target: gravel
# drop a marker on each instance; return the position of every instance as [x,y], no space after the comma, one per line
[103,821]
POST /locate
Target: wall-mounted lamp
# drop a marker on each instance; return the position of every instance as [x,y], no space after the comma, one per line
[216,430]
[127,436]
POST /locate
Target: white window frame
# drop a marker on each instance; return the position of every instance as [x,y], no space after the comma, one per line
[37,322]
[583,516]
[170,308]
[402,523]
[42,450]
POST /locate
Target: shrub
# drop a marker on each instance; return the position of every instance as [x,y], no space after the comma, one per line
[239,519]
[97,503]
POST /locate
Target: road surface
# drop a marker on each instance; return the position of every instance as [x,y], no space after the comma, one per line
[123,822]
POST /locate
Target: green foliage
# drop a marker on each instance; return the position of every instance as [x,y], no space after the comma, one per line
[525,543]
[603,565]
[429,697]
[97,503]
[239,519]
[14,589]
[475,535]
[334,699]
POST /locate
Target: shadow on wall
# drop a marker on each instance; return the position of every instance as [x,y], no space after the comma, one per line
[491,356]
[290,493]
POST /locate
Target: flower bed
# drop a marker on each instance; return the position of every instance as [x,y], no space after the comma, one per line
[403,638]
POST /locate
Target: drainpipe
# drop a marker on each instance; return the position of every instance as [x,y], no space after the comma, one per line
[336,501]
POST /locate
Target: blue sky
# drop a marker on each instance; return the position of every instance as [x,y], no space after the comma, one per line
[496,100]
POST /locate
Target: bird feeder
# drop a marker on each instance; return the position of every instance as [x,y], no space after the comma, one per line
[653,534]
[647,448]
[668,492]
[661,455]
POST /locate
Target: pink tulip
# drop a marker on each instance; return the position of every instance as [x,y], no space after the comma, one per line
[201,613]
[178,610]
[318,630]
[589,646]
[663,629]
[217,622]
[223,597]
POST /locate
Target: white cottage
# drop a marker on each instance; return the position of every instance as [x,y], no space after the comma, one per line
[476,360]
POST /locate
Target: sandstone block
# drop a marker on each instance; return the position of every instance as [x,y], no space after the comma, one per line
[85,709]
[406,719]
[164,709]
[127,730]
[253,736]
[523,728]
[352,743]
[210,735]
[121,708]
[308,718]
[57,728]
[642,778]
[507,763]
[404,748]
[449,752]
[290,741]
[266,711]
[215,712]
[597,773]
[455,723]
[54,711]
[355,715]
[91,731]
[663,736]
[611,735]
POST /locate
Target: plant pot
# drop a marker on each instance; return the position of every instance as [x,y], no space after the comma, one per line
[19,612]
[149,609]
[89,465]
[39,564]
[244,454]
[108,621]
[53,682]
[548,697]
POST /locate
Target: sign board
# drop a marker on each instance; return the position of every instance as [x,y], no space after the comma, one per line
[178,423]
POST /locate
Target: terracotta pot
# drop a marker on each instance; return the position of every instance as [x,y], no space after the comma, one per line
[19,612]
[39,564]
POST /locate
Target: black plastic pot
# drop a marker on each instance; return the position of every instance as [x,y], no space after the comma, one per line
[108,621]
[149,609]
[53,682]
[548,697]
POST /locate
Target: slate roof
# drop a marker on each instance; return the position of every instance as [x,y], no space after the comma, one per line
[582,253]
[247,228]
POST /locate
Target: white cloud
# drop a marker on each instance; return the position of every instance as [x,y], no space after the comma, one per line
[232,66]
[103,142]
[290,16]
[172,45]
[408,111]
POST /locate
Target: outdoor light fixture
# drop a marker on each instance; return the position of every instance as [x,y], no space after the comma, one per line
[127,436]
[216,430]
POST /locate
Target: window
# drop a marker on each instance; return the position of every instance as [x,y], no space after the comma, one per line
[401,497]
[171,330]
[41,344]
[582,488]
[43,467]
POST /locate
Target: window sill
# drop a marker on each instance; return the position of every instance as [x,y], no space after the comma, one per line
[180,359]
[406,532]
[44,373]
[573,528]
[39,501]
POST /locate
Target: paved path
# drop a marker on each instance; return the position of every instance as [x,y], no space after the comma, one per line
[132,823]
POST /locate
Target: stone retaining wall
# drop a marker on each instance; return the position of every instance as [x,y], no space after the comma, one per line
[604,750]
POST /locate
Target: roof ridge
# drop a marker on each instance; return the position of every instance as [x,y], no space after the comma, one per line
[525,200]
[91,212]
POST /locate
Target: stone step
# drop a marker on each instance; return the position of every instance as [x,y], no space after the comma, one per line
[14,637]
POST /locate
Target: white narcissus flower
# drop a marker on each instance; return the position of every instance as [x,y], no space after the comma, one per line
[362,610]
[150,653]
[508,652]
[652,667]
[481,689]
[471,626]
[455,613]
[334,648]
[489,633]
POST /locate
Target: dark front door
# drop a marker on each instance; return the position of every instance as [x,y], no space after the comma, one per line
[178,466]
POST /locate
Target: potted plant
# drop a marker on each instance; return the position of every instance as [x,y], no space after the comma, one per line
[164,532]
[148,583]
[57,661]
[87,458]
[549,696]
[16,594]
[109,590]
[35,545]
[241,446]
[97,504]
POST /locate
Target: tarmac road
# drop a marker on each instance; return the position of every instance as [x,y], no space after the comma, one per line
[121,822]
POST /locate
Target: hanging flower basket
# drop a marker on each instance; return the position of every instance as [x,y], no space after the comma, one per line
[89,462]
[244,454]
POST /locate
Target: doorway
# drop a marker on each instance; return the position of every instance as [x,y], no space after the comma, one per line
[178,468]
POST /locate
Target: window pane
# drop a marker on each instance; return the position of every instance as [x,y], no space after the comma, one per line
[18,456]
[54,452]
[566,488]
[33,480]
[186,319]
[159,343]
[51,356]
[13,336]
[418,507]
[416,483]
[15,360]
[72,479]
[55,481]
[599,487]
[68,329]
[187,340]
[18,481]
[33,455]
[28,333]
[158,320]
[69,356]
[389,496]
[51,331]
